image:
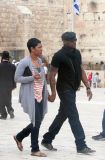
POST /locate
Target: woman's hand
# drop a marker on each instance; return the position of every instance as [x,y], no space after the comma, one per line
[37,76]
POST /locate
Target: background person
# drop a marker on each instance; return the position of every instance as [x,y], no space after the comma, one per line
[46,67]
[89,77]
[96,80]
[101,136]
[7,84]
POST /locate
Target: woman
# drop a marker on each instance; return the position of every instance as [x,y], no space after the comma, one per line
[33,94]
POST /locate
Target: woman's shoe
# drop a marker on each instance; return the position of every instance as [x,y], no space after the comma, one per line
[19,144]
[38,154]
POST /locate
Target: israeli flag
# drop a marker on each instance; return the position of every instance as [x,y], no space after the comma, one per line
[76,7]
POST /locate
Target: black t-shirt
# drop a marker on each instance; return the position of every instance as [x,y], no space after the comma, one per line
[68,62]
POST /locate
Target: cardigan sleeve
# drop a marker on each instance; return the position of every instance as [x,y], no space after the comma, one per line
[19,73]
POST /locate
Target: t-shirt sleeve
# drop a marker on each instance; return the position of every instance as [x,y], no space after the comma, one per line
[56,61]
[80,57]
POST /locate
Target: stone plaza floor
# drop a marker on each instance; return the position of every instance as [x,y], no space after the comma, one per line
[90,113]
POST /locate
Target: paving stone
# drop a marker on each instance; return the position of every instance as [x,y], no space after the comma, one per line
[90,113]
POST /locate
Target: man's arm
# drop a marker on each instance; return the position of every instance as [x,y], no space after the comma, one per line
[52,74]
[85,81]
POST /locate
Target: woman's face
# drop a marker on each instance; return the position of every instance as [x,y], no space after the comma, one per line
[37,51]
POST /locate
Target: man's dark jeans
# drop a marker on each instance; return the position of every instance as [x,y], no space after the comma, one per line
[67,110]
[33,130]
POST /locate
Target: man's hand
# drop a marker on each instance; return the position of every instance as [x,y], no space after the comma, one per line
[51,97]
[89,94]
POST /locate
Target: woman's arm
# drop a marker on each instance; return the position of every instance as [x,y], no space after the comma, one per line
[19,74]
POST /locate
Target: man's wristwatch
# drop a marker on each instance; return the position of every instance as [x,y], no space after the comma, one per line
[87,88]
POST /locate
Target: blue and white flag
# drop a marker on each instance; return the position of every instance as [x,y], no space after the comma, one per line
[76,7]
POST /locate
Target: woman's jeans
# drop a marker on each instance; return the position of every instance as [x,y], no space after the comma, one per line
[33,130]
[67,110]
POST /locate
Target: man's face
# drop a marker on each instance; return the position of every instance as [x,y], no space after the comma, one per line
[37,51]
[72,44]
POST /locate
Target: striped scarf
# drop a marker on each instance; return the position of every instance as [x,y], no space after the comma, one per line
[38,87]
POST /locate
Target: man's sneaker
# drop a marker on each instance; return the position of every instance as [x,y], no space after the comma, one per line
[11,114]
[98,137]
[49,146]
[86,150]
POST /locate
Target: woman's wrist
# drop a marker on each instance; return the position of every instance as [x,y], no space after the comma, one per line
[87,88]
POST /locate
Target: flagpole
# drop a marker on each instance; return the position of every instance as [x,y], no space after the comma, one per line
[76,10]
[72,2]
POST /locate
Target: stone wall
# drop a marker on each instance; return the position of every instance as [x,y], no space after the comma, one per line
[90,27]
[23,19]
[47,20]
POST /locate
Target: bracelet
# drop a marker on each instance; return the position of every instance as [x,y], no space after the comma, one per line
[87,88]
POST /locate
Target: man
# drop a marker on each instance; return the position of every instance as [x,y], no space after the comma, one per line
[7,84]
[101,136]
[67,63]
